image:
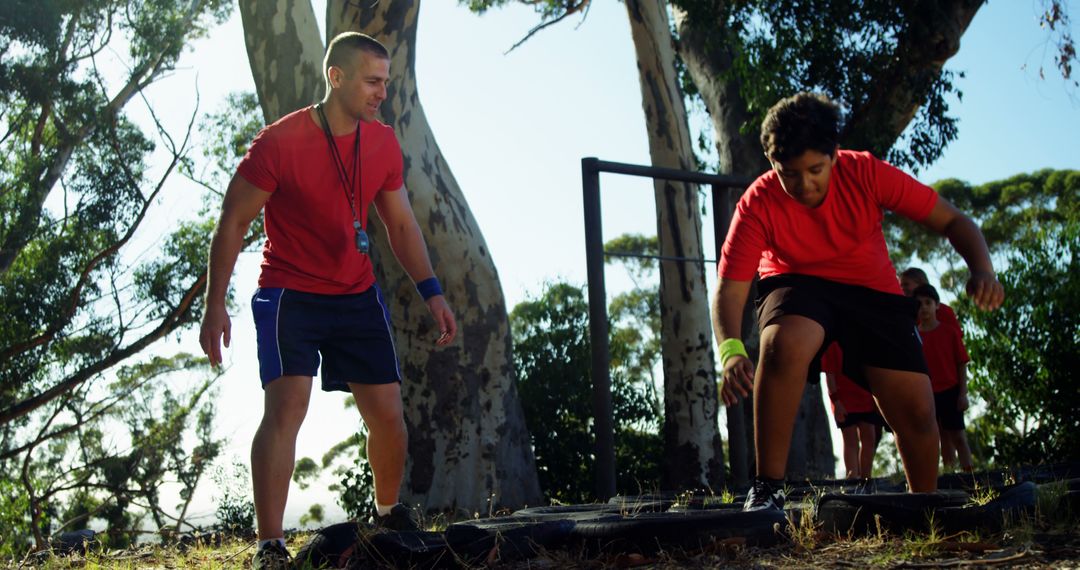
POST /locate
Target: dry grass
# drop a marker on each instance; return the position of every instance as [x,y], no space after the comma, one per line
[1048,539]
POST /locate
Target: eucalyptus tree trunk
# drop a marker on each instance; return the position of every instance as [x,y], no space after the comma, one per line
[707,58]
[693,452]
[469,448]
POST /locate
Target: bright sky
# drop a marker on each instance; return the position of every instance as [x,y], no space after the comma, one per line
[513,129]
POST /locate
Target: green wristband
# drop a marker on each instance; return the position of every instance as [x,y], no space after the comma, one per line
[731,347]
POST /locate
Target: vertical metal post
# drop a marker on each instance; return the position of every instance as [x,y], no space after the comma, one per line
[598,331]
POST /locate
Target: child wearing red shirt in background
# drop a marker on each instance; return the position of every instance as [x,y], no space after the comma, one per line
[855,413]
[947,360]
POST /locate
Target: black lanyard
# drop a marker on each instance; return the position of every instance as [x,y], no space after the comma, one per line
[348,184]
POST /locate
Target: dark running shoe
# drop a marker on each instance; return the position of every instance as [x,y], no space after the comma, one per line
[400,518]
[764,496]
[273,556]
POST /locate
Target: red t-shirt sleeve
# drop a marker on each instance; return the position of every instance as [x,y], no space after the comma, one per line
[744,243]
[395,176]
[259,165]
[898,191]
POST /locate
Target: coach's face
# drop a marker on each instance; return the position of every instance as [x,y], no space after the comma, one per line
[362,85]
[806,177]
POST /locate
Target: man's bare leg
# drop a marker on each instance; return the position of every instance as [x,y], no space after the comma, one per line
[388,439]
[273,450]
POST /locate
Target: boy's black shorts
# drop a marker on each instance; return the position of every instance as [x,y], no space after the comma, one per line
[873,328]
[948,416]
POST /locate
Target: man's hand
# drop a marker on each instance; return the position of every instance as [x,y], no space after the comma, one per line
[738,380]
[440,311]
[215,324]
[962,403]
[985,290]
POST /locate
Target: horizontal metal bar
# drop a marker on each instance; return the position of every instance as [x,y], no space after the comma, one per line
[722,180]
[660,257]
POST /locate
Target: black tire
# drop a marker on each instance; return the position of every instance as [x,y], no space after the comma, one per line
[506,538]
[949,512]
[404,549]
[331,546]
[569,512]
[643,503]
[648,533]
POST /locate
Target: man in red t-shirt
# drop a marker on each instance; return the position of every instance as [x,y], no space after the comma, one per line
[811,228]
[315,173]
[913,277]
[946,358]
[855,414]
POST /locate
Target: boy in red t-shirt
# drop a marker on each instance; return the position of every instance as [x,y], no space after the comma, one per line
[811,228]
[947,360]
[855,414]
[911,278]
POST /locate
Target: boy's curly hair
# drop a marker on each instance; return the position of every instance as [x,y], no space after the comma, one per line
[802,122]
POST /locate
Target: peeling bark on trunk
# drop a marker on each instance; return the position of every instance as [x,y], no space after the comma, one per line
[693,454]
[468,443]
[285,53]
[707,57]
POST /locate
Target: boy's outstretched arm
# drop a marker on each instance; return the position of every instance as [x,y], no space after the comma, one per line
[966,238]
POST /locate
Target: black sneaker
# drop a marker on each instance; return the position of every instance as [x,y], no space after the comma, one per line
[400,518]
[764,496]
[273,556]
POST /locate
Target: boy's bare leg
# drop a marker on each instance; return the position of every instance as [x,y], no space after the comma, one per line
[963,451]
[867,448]
[273,450]
[388,439]
[787,346]
[851,451]
[907,402]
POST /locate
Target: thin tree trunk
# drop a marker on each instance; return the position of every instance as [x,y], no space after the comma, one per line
[469,447]
[693,452]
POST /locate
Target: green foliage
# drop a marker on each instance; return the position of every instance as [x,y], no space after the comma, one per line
[1026,355]
[235,510]
[1012,213]
[82,289]
[552,359]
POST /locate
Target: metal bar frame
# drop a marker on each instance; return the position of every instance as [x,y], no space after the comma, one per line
[591,167]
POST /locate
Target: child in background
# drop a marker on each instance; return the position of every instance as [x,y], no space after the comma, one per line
[910,279]
[947,361]
[856,415]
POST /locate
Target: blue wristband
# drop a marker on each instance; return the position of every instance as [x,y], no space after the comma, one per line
[428,288]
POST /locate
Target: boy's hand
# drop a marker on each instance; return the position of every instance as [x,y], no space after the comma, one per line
[962,402]
[738,380]
[985,290]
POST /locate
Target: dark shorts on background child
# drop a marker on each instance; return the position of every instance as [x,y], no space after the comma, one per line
[854,418]
[873,328]
[947,415]
[351,333]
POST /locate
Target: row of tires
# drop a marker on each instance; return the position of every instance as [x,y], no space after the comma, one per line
[648,524]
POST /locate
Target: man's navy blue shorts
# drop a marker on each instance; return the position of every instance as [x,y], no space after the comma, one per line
[873,328]
[352,333]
